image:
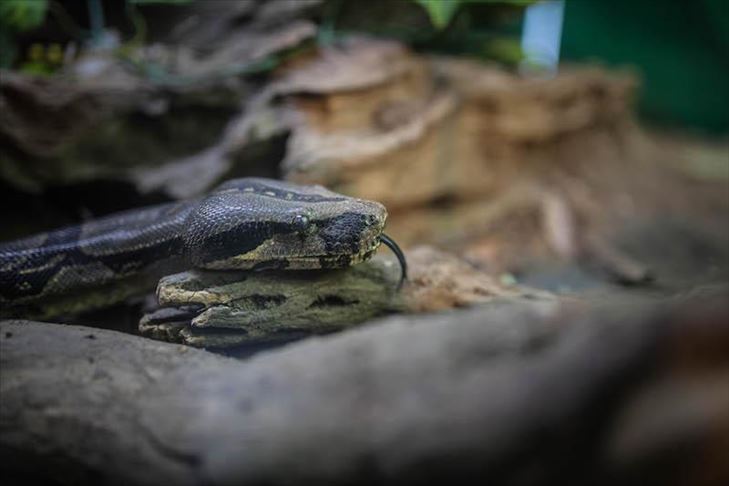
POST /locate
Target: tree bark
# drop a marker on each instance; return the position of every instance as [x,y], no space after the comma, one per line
[499,394]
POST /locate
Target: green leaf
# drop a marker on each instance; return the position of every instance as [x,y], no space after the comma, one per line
[441,12]
[20,15]
[504,50]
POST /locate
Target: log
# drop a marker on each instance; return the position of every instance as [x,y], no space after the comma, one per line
[239,307]
[499,394]
[228,309]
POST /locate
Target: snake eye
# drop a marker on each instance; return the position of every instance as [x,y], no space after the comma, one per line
[301,222]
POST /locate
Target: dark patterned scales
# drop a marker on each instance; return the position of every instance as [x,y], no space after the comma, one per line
[244,224]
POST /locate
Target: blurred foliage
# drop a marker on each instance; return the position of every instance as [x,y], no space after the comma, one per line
[680,48]
[43,60]
[17,16]
[440,11]
[506,50]
[20,15]
[484,29]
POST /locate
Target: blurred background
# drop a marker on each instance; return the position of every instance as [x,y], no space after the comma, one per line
[576,147]
[525,135]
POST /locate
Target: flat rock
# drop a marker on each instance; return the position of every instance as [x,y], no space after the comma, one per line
[225,309]
[222,309]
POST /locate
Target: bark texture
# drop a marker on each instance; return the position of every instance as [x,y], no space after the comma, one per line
[504,394]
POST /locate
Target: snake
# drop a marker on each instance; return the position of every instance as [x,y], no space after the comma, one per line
[250,223]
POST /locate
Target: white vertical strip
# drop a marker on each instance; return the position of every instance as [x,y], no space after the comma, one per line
[542,34]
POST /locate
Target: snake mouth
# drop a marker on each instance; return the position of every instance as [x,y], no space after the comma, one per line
[371,249]
[337,260]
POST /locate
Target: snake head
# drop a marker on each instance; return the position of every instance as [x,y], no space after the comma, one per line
[263,224]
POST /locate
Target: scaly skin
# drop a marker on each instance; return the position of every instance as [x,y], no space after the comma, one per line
[249,223]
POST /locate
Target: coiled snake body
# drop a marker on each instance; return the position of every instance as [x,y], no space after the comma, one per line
[246,223]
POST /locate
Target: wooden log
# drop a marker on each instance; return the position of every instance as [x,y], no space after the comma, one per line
[500,394]
[224,309]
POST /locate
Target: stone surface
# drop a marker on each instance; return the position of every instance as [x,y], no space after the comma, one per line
[221,309]
[503,394]
[440,281]
[225,309]
[457,129]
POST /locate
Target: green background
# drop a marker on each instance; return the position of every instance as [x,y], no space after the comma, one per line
[680,48]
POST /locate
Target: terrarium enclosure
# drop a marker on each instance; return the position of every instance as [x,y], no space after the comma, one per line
[383,242]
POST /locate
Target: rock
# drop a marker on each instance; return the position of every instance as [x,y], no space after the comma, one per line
[463,130]
[223,309]
[441,281]
[514,394]
[226,309]
[371,111]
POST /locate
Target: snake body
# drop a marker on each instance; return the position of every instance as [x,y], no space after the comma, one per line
[248,223]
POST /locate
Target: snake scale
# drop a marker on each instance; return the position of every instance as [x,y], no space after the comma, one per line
[249,223]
